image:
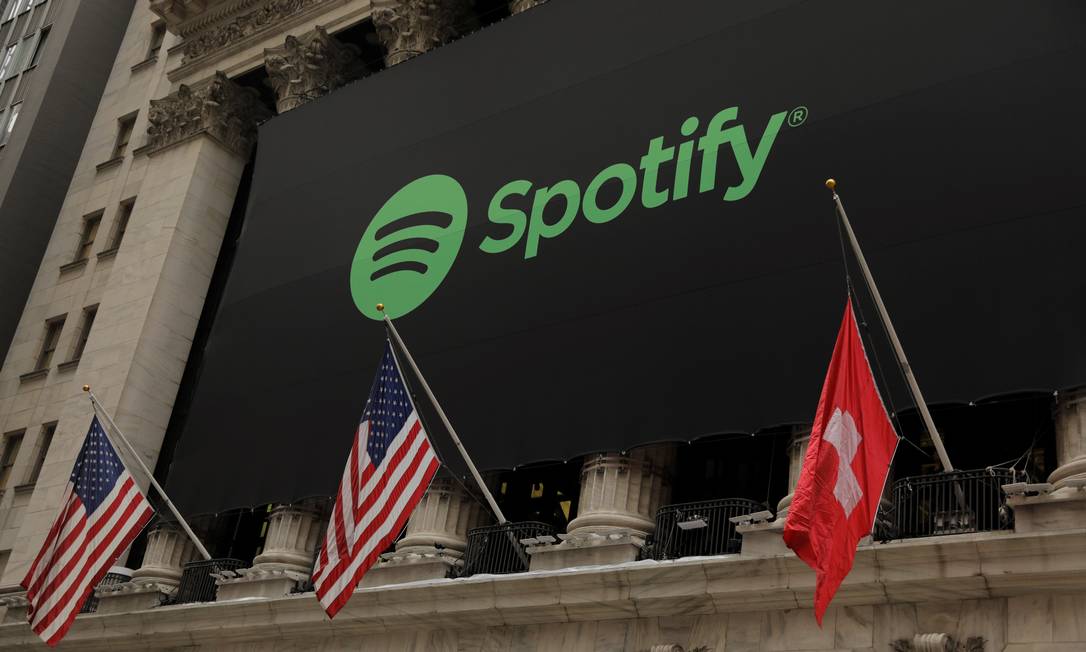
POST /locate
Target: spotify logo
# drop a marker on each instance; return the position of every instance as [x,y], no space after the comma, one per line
[409,247]
[413,240]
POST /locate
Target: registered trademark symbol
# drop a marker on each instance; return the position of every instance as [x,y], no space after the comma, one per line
[797,116]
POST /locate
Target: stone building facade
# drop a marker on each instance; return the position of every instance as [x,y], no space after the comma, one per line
[163,206]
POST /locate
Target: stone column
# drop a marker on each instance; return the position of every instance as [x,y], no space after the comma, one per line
[435,539]
[407,28]
[308,67]
[168,550]
[290,546]
[797,451]
[764,537]
[517,6]
[1070,437]
[616,511]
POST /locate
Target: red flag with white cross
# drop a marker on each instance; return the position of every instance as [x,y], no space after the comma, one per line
[851,446]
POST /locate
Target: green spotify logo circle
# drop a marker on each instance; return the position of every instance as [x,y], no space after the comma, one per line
[409,247]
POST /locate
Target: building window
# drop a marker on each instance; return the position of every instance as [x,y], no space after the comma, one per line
[123,215]
[39,48]
[12,442]
[9,126]
[45,440]
[86,239]
[5,65]
[84,331]
[49,345]
[124,133]
[15,8]
[158,35]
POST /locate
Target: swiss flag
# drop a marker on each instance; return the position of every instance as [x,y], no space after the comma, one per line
[852,443]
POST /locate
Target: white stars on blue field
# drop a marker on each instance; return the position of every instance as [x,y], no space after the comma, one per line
[96,469]
[387,407]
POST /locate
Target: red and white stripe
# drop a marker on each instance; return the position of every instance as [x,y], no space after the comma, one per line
[78,551]
[372,507]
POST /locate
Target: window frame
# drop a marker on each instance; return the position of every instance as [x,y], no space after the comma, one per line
[41,449]
[5,62]
[9,123]
[126,128]
[158,29]
[86,323]
[45,353]
[84,245]
[121,222]
[35,56]
[9,454]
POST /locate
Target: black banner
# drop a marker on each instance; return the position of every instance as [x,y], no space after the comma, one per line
[603,223]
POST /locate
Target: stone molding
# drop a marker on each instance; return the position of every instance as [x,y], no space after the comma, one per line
[220,108]
[307,67]
[976,566]
[408,28]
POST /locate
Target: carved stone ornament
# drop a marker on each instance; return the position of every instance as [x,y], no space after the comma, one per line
[306,68]
[407,28]
[205,41]
[220,108]
[517,6]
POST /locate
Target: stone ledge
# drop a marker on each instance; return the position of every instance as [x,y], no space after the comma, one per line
[74,265]
[33,375]
[68,365]
[146,63]
[116,160]
[956,567]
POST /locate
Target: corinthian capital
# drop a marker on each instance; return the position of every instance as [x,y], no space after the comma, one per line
[219,108]
[407,28]
[517,6]
[308,67]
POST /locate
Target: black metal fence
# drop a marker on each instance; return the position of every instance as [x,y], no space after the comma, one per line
[701,528]
[198,579]
[951,503]
[109,579]
[497,548]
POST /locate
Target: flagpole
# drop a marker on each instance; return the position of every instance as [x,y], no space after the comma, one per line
[444,419]
[99,409]
[914,388]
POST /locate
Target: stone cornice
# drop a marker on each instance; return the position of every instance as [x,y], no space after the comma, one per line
[245,20]
[960,567]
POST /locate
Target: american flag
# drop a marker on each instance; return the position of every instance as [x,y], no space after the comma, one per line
[102,511]
[390,466]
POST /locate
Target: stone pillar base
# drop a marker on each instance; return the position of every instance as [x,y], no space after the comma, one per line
[1064,509]
[14,608]
[132,596]
[587,549]
[763,539]
[259,583]
[400,568]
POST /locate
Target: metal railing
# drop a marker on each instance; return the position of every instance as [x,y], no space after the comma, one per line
[951,503]
[109,579]
[198,579]
[497,548]
[701,528]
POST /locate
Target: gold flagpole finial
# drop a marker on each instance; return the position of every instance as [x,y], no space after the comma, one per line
[380,307]
[831,184]
[86,388]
